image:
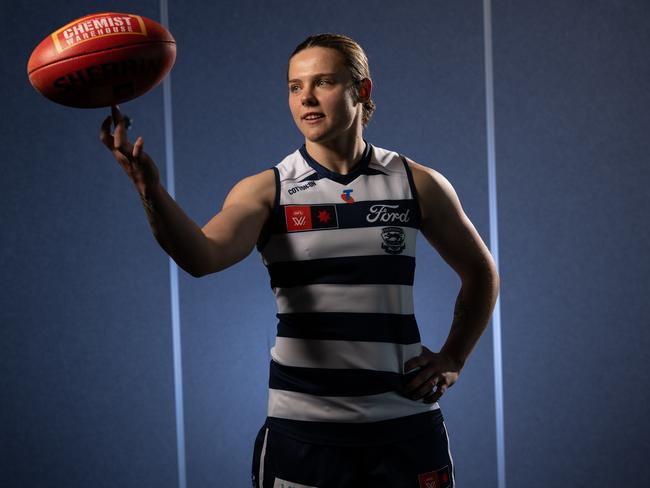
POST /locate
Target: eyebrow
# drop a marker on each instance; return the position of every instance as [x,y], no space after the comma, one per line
[317,75]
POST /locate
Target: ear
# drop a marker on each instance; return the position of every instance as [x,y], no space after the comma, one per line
[365,90]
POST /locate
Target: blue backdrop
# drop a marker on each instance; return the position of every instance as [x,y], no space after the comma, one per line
[86,361]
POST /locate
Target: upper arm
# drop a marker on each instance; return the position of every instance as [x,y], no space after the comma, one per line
[234,231]
[446,226]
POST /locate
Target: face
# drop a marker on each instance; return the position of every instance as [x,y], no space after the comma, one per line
[321,97]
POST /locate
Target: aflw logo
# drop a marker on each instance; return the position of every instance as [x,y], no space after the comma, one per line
[299,221]
[310,217]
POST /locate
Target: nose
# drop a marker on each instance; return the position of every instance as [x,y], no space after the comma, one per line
[307,96]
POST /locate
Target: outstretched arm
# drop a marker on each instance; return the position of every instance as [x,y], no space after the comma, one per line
[451,233]
[226,239]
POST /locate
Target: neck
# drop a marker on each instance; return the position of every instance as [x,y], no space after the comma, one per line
[339,155]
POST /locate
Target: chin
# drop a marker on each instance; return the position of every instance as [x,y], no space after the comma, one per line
[316,136]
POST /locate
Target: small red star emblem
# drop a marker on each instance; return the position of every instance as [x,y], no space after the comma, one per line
[323,216]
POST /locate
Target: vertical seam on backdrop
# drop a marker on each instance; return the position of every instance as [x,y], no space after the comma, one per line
[494,241]
[173,273]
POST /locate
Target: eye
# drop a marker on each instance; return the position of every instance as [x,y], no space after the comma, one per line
[294,88]
[323,82]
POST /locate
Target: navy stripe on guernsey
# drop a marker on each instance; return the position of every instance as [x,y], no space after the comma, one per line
[336,382]
[369,327]
[361,214]
[342,268]
[356,270]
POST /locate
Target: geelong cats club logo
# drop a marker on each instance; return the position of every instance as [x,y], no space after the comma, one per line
[393,238]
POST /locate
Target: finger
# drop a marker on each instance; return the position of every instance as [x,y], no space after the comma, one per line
[421,360]
[425,389]
[117,115]
[416,362]
[422,383]
[137,147]
[105,133]
[409,365]
[419,379]
[428,398]
[435,396]
[120,139]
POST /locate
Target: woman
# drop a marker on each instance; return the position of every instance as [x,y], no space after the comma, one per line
[353,394]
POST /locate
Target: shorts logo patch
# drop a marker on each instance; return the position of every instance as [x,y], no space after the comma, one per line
[439,478]
[310,217]
[278,483]
[429,480]
[393,238]
[444,477]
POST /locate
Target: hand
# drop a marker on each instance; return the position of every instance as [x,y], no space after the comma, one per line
[136,163]
[438,371]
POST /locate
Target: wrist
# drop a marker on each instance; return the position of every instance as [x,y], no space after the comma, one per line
[455,357]
[151,197]
[150,191]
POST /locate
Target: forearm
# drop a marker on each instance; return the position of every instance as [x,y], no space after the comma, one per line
[472,312]
[176,233]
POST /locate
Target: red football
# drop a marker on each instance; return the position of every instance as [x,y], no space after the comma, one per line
[102,59]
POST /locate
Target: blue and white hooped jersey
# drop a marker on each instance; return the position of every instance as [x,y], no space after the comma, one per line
[340,251]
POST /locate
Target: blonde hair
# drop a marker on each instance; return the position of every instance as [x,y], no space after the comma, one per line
[355,60]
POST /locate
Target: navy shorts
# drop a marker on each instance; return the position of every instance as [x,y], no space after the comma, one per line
[423,461]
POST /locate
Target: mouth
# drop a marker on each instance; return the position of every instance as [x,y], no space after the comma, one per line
[312,116]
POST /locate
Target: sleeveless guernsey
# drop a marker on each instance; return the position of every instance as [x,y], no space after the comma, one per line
[340,252]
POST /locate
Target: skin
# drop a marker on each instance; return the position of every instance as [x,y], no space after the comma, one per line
[320,83]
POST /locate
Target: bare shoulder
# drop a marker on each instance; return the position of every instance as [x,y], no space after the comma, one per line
[445,224]
[255,189]
[433,189]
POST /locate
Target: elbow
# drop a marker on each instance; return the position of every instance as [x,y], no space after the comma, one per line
[203,270]
[194,271]
[484,274]
[493,279]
